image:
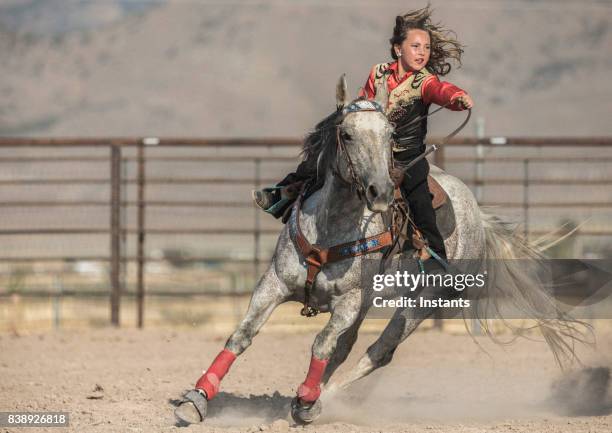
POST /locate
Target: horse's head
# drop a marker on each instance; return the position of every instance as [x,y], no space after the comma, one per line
[363,152]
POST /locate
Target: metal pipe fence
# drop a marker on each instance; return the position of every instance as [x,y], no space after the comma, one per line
[256,153]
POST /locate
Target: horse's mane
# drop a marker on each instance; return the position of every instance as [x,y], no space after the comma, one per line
[323,135]
[319,145]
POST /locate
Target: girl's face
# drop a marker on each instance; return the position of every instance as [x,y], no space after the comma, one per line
[415,50]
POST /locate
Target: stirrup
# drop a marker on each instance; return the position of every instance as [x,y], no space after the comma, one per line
[286,195]
[257,197]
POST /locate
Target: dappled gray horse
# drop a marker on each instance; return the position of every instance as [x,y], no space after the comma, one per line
[353,148]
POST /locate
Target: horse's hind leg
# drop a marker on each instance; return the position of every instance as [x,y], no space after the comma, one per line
[268,294]
[381,351]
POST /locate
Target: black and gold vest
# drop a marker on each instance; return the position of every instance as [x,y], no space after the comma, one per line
[405,105]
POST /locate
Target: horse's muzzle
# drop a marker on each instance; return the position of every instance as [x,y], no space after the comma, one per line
[379,195]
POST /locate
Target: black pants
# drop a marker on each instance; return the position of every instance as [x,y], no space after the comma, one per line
[416,192]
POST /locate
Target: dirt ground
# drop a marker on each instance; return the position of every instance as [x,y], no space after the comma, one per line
[126,381]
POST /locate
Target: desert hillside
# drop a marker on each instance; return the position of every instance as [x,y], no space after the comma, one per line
[238,68]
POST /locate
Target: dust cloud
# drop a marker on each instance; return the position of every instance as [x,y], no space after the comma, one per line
[401,395]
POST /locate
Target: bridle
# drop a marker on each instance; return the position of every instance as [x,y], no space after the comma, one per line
[357,106]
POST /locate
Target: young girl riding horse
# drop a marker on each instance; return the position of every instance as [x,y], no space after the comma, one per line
[353,144]
[421,51]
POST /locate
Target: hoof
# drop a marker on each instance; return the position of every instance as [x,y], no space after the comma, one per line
[192,409]
[303,413]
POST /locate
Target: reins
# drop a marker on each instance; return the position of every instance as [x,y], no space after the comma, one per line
[341,150]
[441,143]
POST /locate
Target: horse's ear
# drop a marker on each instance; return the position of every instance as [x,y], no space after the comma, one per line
[341,93]
[382,95]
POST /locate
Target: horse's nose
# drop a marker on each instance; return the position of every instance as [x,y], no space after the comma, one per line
[379,197]
[372,192]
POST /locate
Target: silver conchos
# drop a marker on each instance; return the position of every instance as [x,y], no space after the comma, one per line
[363,105]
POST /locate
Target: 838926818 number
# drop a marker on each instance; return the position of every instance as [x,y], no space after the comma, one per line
[34,419]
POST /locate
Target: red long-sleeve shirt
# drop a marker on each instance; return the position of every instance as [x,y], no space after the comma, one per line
[432,89]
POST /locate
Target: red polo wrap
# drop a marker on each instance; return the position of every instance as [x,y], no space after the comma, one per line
[310,390]
[210,380]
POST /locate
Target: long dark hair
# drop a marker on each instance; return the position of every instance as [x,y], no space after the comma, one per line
[444,45]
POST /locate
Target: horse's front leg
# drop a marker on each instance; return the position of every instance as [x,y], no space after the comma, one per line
[343,348]
[268,294]
[345,312]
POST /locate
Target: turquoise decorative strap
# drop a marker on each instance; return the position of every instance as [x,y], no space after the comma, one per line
[276,206]
[421,265]
[438,258]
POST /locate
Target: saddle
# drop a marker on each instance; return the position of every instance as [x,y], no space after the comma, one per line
[413,234]
[439,196]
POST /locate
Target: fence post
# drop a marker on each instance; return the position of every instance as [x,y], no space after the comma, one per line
[123,223]
[115,233]
[257,228]
[479,169]
[526,198]
[58,288]
[141,234]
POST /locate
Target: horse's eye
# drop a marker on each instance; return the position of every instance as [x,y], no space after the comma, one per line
[345,136]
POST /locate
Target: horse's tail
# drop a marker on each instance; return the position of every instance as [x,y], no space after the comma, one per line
[508,256]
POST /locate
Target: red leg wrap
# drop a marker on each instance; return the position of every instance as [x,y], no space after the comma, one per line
[210,380]
[310,390]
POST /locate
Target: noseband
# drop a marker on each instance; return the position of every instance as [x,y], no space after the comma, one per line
[360,105]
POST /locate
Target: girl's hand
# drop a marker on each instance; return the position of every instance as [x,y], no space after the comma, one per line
[465,100]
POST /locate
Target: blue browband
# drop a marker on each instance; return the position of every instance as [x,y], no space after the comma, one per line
[363,105]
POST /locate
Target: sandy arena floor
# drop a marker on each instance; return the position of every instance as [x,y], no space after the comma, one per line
[436,383]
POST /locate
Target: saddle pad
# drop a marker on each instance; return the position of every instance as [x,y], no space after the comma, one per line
[439,195]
